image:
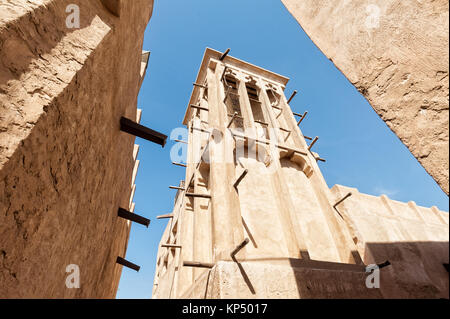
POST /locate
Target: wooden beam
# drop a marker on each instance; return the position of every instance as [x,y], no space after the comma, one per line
[133,128]
[232,119]
[292,96]
[199,107]
[312,143]
[385,264]
[240,178]
[177,187]
[128,264]
[179,164]
[171,246]
[224,55]
[268,143]
[180,141]
[200,129]
[223,73]
[239,247]
[303,117]
[262,123]
[200,85]
[123,213]
[291,150]
[198,195]
[164,216]
[341,200]
[197,264]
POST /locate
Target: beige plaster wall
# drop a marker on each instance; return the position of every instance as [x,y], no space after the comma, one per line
[396,54]
[300,244]
[413,239]
[282,278]
[65,167]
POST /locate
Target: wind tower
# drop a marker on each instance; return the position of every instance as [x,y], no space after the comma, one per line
[254,217]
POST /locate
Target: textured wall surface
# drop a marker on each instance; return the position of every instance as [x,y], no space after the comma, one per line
[65,167]
[396,54]
[282,278]
[413,238]
[299,243]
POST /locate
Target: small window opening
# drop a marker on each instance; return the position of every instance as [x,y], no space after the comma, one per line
[232,101]
[257,111]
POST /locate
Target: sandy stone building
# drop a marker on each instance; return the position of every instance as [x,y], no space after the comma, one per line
[70,73]
[256,219]
[396,54]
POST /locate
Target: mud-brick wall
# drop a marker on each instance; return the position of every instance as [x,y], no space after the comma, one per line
[65,167]
[413,239]
[396,54]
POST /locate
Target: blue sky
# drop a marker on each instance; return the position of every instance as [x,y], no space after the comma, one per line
[360,149]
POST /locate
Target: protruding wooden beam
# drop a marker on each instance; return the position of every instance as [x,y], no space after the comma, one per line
[200,85]
[385,264]
[198,195]
[123,213]
[128,264]
[177,187]
[302,118]
[287,136]
[197,264]
[179,164]
[262,123]
[164,216]
[240,178]
[224,55]
[200,129]
[171,246]
[341,200]
[180,141]
[239,247]
[277,107]
[297,114]
[292,96]
[232,119]
[312,143]
[320,159]
[307,137]
[291,149]
[261,140]
[199,107]
[133,128]
[223,73]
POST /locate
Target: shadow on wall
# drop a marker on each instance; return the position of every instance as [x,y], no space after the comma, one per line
[57,203]
[417,270]
[30,38]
